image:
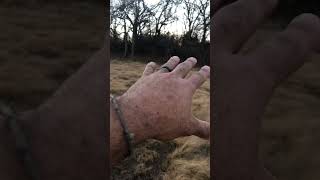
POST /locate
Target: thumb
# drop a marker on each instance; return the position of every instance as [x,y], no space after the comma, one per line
[201,128]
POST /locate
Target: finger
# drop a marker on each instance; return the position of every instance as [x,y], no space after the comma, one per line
[184,68]
[150,68]
[198,78]
[234,24]
[286,52]
[171,64]
[201,128]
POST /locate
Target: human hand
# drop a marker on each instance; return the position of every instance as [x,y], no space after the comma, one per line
[245,81]
[158,105]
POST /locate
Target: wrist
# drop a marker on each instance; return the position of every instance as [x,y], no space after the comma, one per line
[134,119]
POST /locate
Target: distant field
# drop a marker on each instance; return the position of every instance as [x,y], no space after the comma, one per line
[183,158]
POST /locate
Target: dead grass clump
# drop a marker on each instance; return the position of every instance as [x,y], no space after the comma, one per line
[148,161]
[182,169]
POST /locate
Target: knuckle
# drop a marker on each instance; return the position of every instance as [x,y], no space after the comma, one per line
[182,68]
[171,61]
[174,59]
[184,65]
[189,64]
[198,80]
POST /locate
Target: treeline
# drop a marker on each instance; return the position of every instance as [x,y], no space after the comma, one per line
[138,29]
[164,46]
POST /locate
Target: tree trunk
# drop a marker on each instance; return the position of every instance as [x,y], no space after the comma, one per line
[203,40]
[125,53]
[134,39]
[125,38]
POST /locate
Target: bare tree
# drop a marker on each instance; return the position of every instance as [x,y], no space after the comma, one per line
[134,14]
[118,12]
[204,10]
[114,23]
[164,14]
[192,17]
[137,12]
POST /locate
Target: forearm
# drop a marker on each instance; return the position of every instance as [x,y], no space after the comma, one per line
[67,134]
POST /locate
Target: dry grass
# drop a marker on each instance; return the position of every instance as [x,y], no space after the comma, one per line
[183,158]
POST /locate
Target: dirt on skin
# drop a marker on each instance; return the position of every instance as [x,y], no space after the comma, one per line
[182,158]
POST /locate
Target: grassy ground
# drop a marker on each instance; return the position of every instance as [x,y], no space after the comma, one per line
[183,158]
[40,46]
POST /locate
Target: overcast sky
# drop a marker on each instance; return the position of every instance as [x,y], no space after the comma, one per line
[176,27]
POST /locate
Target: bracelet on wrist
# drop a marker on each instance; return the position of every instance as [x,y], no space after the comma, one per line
[129,137]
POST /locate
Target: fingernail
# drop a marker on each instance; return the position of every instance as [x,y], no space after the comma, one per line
[194,60]
[175,58]
[152,64]
[206,67]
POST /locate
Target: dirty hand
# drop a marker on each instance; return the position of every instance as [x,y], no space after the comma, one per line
[245,81]
[158,105]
